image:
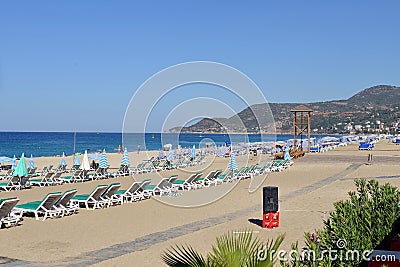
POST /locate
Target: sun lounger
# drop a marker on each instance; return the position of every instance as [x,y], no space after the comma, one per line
[134,192]
[41,181]
[241,173]
[186,162]
[24,182]
[122,171]
[225,177]
[92,199]
[206,181]
[247,172]
[74,168]
[45,206]
[173,178]
[44,170]
[137,169]
[32,172]
[64,204]
[188,184]
[77,176]
[98,174]
[162,188]
[7,175]
[12,183]
[266,168]
[8,216]
[162,165]
[277,166]
[61,168]
[148,167]
[108,198]
[128,194]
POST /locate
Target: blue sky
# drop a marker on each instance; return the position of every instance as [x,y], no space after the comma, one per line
[76,64]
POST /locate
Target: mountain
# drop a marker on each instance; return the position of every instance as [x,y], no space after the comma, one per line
[367,111]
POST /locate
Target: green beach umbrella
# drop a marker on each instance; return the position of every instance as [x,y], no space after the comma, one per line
[21,169]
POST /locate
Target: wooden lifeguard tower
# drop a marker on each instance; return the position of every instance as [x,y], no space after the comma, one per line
[301,124]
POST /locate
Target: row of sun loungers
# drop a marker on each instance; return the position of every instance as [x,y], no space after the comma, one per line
[154,165]
[59,204]
[51,178]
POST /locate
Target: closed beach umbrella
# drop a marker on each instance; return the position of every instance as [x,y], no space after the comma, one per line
[103,160]
[287,155]
[125,158]
[193,154]
[63,161]
[76,160]
[31,164]
[160,155]
[21,169]
[85,162]
[170,156]
[14,163]
[232,165]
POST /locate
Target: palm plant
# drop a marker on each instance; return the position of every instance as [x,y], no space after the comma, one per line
[232,249]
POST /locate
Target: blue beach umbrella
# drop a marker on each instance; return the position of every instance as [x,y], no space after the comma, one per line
[193,154]
[170,156]
[125,158]
[160,155]
[76,160]
[103,160]
[31,164]
[232,165]
[63,162]
[287,155]
[14,163]
[21,169]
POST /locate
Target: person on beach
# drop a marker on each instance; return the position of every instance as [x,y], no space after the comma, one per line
[138,148]
[119,149]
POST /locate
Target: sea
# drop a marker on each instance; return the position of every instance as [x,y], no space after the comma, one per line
[55,143]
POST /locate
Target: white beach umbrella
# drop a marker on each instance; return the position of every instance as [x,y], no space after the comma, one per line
[85,162]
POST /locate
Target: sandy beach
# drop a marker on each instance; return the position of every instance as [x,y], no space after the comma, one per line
[135,234]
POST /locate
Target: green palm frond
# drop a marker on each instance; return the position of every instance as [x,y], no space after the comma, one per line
[235,248]
[232,249]
[181,256]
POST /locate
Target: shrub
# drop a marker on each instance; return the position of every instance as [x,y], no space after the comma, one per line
[358,223]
